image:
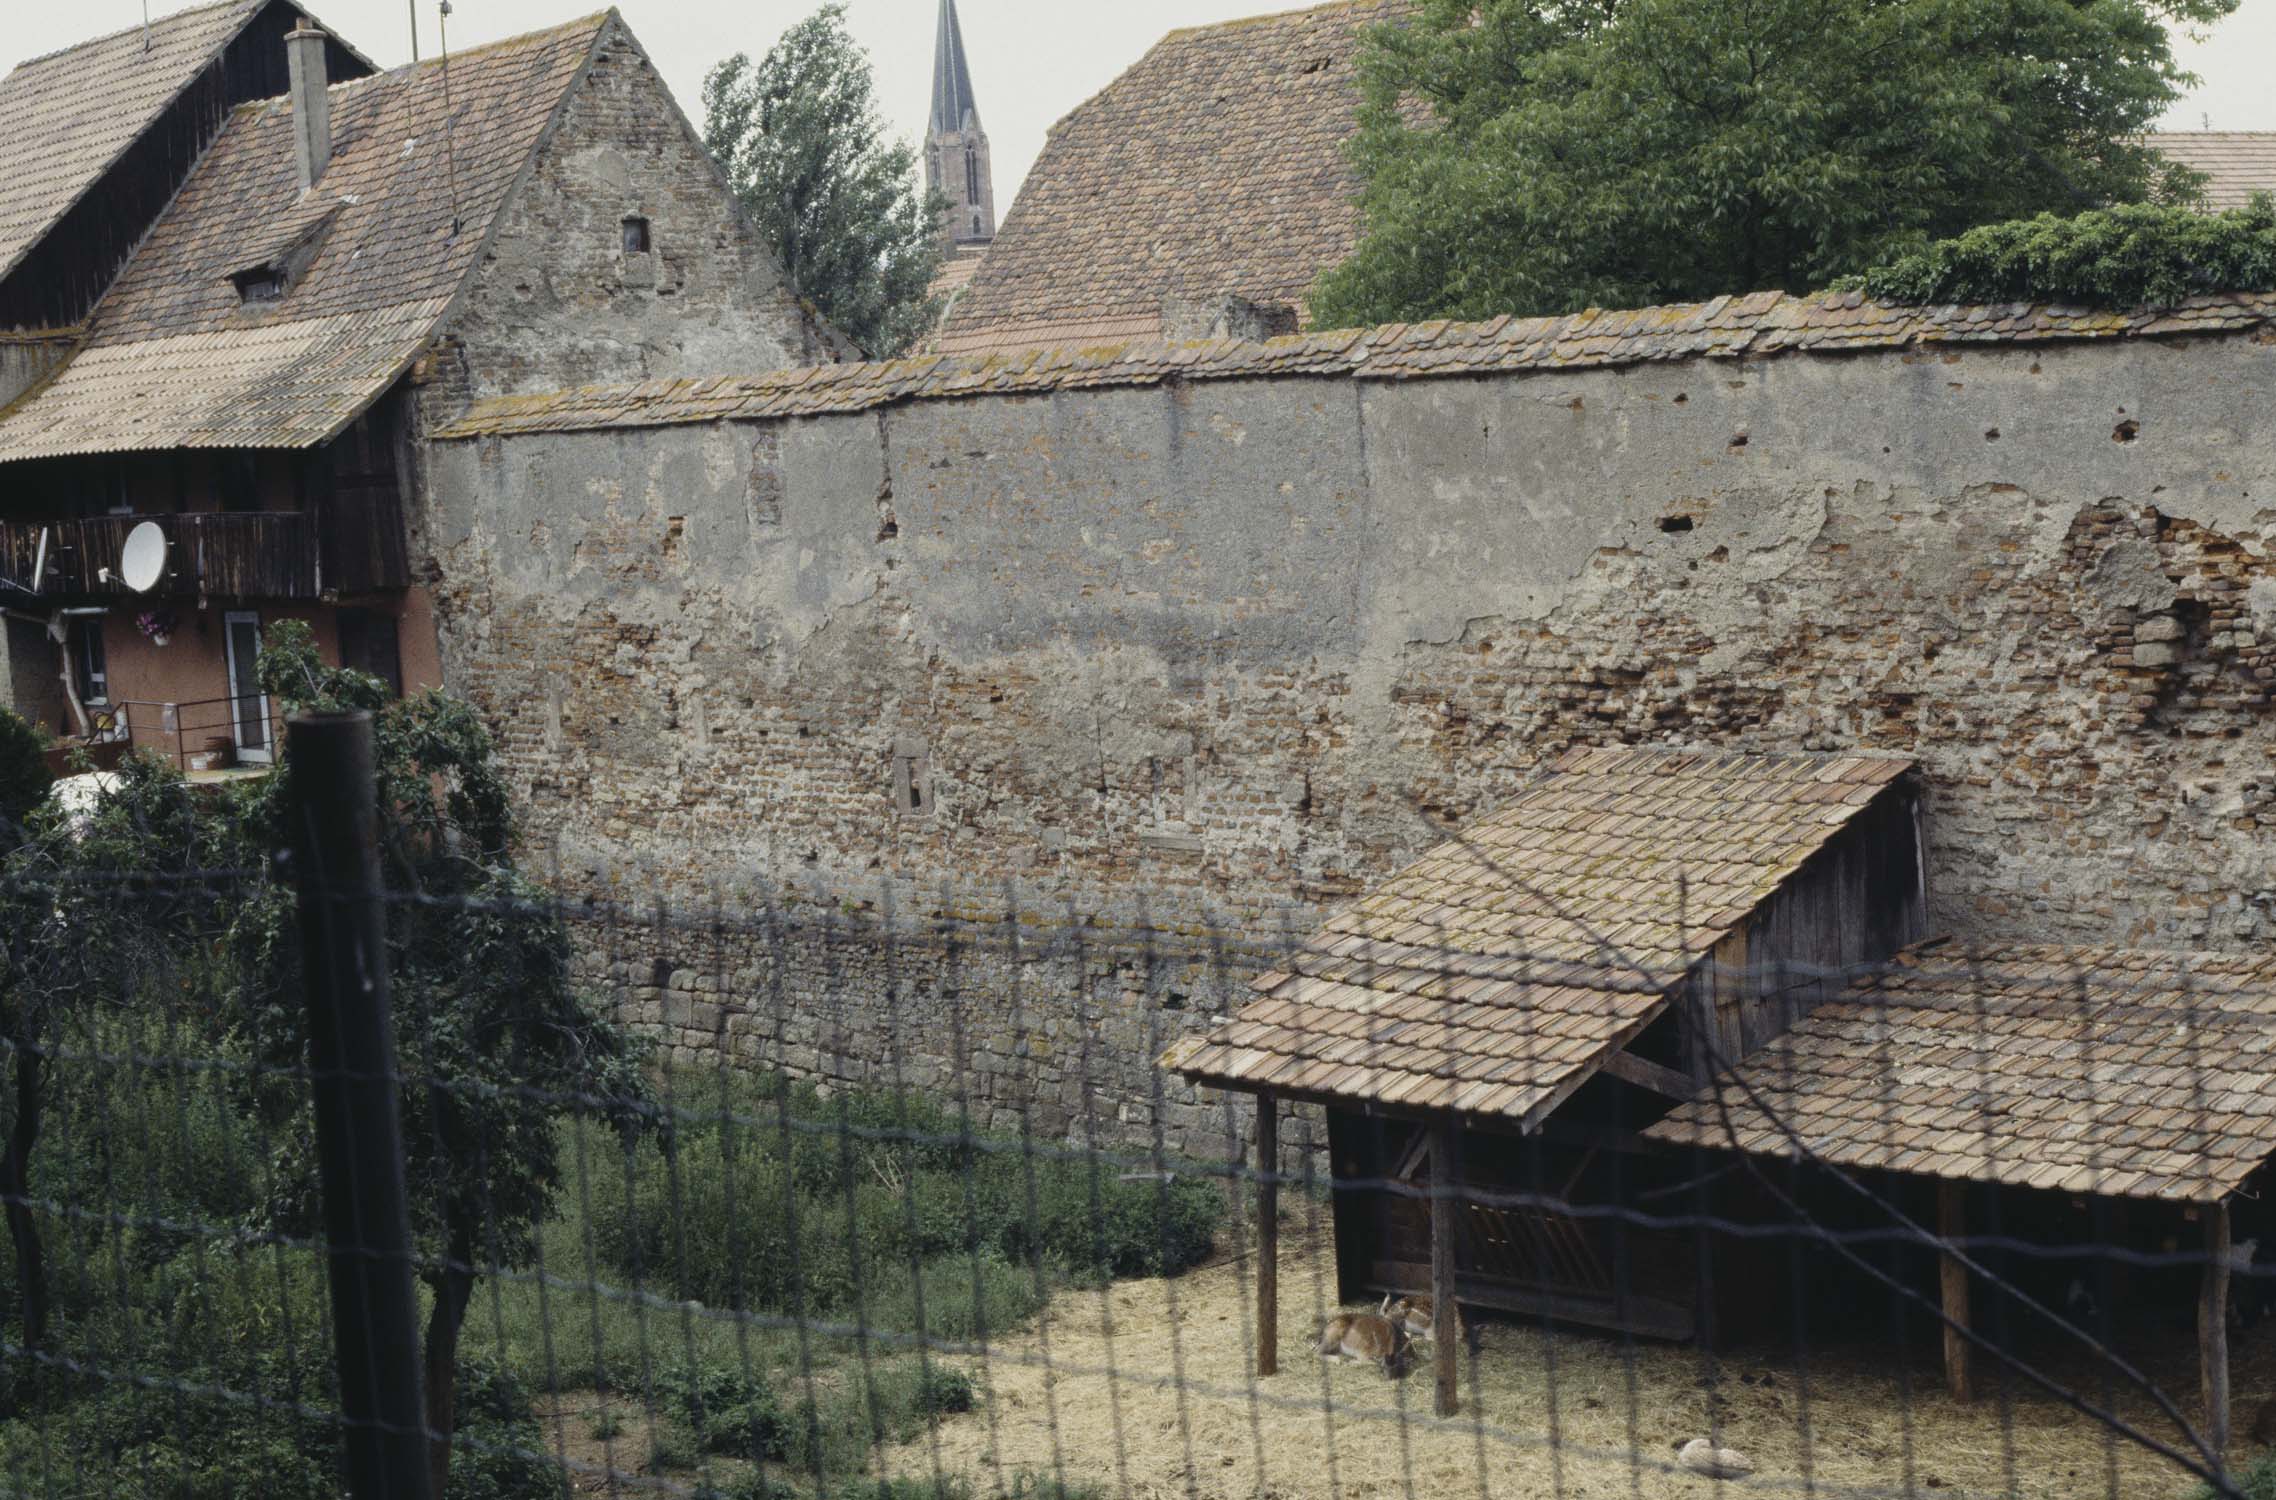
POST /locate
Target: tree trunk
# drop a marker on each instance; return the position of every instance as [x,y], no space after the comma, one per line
[452,1294]
[15,1184]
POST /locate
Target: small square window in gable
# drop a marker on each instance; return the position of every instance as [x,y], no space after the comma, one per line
[637,240]
[912,778]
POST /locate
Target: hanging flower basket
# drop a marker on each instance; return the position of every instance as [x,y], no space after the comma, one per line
[157,624]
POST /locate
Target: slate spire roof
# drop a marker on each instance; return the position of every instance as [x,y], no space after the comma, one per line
[175,357]
[953,104]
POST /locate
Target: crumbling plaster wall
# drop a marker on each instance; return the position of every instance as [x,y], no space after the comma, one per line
[1232,649]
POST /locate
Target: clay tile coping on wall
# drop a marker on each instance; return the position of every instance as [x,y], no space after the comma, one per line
[1752,327]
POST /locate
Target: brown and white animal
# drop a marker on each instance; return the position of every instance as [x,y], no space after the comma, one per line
[1702,1457]
[1365,1338]
[1417,1316]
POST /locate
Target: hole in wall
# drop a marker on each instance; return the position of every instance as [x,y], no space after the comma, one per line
[1991,434]
[1683,398]
[2126,431]
[1738,440]
[1674,524]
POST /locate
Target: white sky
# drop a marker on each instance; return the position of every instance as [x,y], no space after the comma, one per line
[1032,60]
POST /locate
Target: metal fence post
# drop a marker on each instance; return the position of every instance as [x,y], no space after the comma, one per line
[359,1135]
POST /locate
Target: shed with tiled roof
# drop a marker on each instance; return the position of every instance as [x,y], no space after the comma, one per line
[2095,1072]
[1585,952]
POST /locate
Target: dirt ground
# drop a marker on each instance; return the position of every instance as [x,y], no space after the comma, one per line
[1144,1392]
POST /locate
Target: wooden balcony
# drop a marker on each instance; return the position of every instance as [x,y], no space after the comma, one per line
[353,544]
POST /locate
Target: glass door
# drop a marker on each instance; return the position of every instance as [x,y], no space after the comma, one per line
[248,706]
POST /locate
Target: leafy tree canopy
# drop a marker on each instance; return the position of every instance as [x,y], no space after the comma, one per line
[801,139]
[23,773]
[2134,255]
[1540,156]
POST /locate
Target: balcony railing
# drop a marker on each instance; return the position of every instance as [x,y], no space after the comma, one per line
[354,543]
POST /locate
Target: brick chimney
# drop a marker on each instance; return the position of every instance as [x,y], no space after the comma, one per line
[311,105]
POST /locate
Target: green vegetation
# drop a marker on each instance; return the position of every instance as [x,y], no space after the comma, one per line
[805,150]
[23,772]
[1531,158]
[162,1205]
[2135,255]
[2255,1481]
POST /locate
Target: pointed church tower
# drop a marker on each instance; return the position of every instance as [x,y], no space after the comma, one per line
[956,152]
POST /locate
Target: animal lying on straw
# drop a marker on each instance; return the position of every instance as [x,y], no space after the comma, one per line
[1417,1318]
[1365,1338]
[1702,1457]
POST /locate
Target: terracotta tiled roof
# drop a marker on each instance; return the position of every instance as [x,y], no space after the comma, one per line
[1754,327]
[72,112]
[1213,166]
[1495,973]
[2239,163]
[174,359]
[2115,1071]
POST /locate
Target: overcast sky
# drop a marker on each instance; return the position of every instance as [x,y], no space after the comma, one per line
[1032,60]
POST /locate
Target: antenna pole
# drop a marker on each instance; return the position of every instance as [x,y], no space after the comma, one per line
[414,4]
[146,25]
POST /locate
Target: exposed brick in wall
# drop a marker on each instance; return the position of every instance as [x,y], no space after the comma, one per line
[1228,652]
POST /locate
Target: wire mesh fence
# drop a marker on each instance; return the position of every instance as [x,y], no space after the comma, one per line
[756,1195]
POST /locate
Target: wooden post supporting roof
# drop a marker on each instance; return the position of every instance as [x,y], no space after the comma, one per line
[2213,1332]
[1445,1342]
[1268,1235]
[1952,1226]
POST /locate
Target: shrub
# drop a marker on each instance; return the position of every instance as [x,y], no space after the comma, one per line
[2131,255]
[965,1298]
[727,1410]
[877,1220]
[498,1448]
[2256,1481]
[1090,1219]
[891,1402]
[23,772]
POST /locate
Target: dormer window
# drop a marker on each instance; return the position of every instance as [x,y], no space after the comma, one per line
[636,239]
[274,262]
[261,284]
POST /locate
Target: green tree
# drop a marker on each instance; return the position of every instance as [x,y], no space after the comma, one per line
[2133,255]
[496,1042]
[1540,156]
[801,140]
[24,777]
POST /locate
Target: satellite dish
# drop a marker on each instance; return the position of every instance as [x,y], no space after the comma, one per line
[142,561]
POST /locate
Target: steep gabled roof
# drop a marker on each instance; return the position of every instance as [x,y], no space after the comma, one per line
[1502,967]
[2123,1072]
[73,113]
[2238,163]
[175,358]
[1214,166]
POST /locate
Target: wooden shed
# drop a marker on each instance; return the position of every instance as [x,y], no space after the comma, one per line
[2126,1074]
[1553,979]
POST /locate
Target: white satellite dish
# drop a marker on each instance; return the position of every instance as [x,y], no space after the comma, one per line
[142,561]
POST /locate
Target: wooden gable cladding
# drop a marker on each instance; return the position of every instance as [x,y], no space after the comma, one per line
[1499,973]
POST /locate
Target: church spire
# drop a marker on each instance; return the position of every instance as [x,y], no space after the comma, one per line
[956,151]
[953,106]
